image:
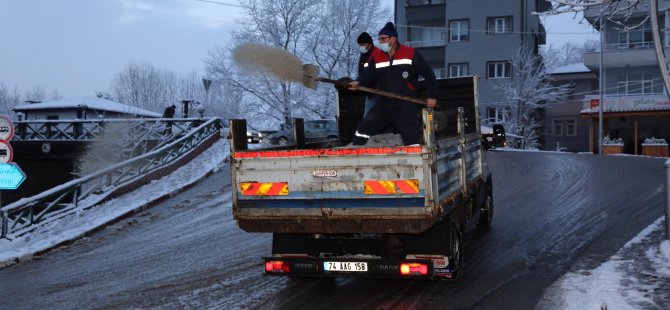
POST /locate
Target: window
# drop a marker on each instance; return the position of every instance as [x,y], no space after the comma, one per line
[570,127]
[558,128]
[460,69]
[499,70]
[495,115]
[458,30]
[635,85]
[52,117]
[636,38]
[499,25]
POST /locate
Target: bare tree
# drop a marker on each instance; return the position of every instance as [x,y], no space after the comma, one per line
[143,85]
[8,98]
[36,93]
[566,54]
[526,95]
[320,32]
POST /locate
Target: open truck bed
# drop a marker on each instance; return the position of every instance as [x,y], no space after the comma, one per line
[390,211]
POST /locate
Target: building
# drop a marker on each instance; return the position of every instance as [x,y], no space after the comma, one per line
[472,37]
[636,105]
[564,129]
[79,108]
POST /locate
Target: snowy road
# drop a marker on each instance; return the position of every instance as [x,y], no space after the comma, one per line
[551,210]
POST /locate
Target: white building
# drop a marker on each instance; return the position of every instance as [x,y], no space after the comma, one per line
[80,108]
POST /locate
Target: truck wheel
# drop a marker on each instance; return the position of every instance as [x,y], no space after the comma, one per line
[486,213]
[456,243]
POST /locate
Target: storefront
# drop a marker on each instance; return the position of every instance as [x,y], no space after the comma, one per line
[631,119]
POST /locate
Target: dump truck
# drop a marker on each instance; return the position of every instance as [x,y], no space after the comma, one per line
[336,210]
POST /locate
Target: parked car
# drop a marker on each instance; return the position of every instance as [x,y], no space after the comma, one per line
[254,137]
[315,130]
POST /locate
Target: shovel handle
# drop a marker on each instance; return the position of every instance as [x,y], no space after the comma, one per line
[345,84]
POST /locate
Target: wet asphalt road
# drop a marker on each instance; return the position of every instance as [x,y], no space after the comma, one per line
[552,210]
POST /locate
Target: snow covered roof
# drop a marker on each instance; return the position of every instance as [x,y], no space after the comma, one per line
[573,68]
[92,103]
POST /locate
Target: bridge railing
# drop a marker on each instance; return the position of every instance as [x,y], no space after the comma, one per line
[87,191]
[90,129]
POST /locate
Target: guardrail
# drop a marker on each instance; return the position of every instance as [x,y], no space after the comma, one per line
[85,192]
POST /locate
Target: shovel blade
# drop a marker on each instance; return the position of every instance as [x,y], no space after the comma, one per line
[309,75]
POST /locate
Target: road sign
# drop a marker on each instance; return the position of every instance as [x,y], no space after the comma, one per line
[11,176]
[6,152]
[6,128]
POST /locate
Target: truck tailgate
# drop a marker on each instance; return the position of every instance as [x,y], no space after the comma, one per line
[352,190]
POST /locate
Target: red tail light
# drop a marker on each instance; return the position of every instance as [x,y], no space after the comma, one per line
[412,269]
[276,266]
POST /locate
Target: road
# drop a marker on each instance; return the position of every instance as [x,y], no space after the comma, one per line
[552,210]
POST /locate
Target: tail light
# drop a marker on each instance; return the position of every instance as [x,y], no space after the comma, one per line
[276,266]
[413,269]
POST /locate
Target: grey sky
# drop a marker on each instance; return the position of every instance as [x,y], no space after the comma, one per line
[77,46]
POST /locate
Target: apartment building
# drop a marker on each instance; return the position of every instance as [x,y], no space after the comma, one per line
[472,37]
[636,106]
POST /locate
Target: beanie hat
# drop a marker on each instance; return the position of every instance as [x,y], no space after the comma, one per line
[389,30]
[364,38]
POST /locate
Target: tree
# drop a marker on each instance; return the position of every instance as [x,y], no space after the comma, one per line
[143,85]
[566,54]
[526,95]
[320,32]
[36,93]
[8,98]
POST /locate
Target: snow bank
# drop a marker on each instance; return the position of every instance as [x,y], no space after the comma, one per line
[72,227]
[623,282]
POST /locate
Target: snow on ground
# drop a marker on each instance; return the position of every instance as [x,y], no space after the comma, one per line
[636,277]
[71,227]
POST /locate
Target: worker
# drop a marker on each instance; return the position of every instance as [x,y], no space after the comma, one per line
[366,47]
[396,68]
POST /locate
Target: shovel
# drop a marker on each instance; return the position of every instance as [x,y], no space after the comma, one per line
[311,76]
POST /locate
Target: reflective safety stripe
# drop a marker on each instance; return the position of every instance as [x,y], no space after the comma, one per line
[358,134]
[390,187]
[264,189]
[383,64]
[365,65]
[398,62]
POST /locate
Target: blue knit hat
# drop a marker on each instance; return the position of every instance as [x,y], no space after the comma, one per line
[389,30]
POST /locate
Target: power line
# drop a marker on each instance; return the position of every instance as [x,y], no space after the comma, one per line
[221,3]
[489,31]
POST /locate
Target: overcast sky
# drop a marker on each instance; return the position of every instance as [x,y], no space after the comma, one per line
[77,46]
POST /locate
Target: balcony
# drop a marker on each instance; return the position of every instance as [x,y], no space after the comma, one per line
[622,55]
[431,43]
[425,11]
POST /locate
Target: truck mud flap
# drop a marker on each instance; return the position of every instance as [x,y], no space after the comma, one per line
[350,267]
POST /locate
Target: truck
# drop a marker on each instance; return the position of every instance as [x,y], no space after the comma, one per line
[393,211]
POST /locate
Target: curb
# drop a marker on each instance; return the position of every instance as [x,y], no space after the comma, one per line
[122,216]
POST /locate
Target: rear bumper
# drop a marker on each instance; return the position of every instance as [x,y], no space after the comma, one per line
[377,268]
[335,226]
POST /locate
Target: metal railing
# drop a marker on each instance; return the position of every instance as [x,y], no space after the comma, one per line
[429,43]
[88,130]
[85,192]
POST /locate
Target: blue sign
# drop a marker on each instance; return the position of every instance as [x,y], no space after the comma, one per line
[11,176]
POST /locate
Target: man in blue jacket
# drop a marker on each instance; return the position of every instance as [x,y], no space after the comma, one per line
[396,68]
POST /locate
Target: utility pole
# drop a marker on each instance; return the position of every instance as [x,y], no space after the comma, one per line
[602,81]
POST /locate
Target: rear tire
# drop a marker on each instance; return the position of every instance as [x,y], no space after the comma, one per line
[486,213]
[456,255]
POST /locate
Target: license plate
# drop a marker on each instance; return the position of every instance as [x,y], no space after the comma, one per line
[346,266]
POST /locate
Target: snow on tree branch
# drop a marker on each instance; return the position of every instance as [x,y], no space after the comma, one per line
[526,94]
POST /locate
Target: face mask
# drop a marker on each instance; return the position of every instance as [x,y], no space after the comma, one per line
[363,49]
[385,47]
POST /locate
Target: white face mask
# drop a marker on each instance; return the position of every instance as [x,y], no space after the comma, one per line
[363,49]
[385,47]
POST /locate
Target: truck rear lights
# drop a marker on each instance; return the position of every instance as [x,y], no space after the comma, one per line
[276,266]
[413,269]
[391,187]
[264,188]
